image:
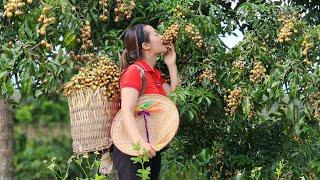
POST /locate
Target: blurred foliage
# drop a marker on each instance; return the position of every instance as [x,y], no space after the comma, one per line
[41,133]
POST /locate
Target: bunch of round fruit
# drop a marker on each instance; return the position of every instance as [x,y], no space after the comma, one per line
[179,12]
[233,100]
[306,45]
[207,74]
[315,103]
[81,57]
[103,73]
[124,9]
[170,34]
[85,37]
[250,107]
[14,7]
[194,34]
[258,72]
[104,4]
[45,20]
[239,64]
[287,29]
[47,45]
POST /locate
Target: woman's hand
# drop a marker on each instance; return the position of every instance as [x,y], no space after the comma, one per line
[170,55]
[148,147]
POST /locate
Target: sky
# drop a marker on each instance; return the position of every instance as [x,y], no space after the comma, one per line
[231,40]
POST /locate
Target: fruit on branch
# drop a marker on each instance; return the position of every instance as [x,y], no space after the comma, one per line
[124,9]
[233,100]
[85,36]
[47,45]
[207,74]
[194,34]
[239,64]
[179,12]
[315,103]
[104,6]
[171,34]
[14,8]
[45,20]
[258,72]
[306,45]
[288,27]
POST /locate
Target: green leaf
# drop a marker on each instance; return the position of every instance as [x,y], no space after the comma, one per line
[3,74]
[246,106]
[274,107]
[26,86]
[191,115]
[69,39]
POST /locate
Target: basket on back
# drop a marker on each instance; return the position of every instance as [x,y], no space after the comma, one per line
[91,114]
[93,101]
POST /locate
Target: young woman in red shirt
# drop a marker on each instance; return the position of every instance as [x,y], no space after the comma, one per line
[143,44]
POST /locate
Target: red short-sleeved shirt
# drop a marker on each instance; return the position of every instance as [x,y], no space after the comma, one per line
[132,78]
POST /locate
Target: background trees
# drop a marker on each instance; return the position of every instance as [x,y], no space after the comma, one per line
[251,109]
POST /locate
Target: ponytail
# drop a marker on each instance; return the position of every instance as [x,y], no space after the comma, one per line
[123,60]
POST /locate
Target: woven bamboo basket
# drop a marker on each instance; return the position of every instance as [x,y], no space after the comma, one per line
[91,115]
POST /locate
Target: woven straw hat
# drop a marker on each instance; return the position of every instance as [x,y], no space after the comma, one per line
[162,119]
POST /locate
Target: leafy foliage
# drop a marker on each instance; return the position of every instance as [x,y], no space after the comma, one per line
[273,131]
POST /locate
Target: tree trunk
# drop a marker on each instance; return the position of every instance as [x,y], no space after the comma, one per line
[6,141]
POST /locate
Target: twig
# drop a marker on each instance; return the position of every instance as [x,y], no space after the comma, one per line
[125,30]
[35,46]
[199,8]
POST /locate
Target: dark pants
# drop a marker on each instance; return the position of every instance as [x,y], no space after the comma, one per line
[128,171]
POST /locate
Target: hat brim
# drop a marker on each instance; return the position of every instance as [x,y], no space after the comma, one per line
[162,119]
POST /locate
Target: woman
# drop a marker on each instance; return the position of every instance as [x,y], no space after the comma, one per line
[142,45]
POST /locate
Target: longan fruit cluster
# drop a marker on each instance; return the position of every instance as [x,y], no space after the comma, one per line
[47,45]
[102,74]
[219,155]
[14,8]
[306,45]
[194,34]
[45,20]
[186,57]
[251,108]
[239,64]
[287,29]
[104,4]
[233,100]
[85,37]
[10,44]
[251,112]
[209,47]
[209,75]
[124,9]
[315,102]
[179,12]
[171,34]
[81,57]
[258,72]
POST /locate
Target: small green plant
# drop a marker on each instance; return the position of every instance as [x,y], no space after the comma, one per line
[144,172]
[256,173]
[279,168]
[87,168]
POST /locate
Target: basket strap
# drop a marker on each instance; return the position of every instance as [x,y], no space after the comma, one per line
[143,78]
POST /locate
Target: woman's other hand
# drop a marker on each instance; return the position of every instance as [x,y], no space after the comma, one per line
[170,55]
[150,151]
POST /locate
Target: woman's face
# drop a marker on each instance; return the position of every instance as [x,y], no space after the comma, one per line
[155,43]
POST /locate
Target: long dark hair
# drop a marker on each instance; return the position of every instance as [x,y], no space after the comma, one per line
[134,37]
